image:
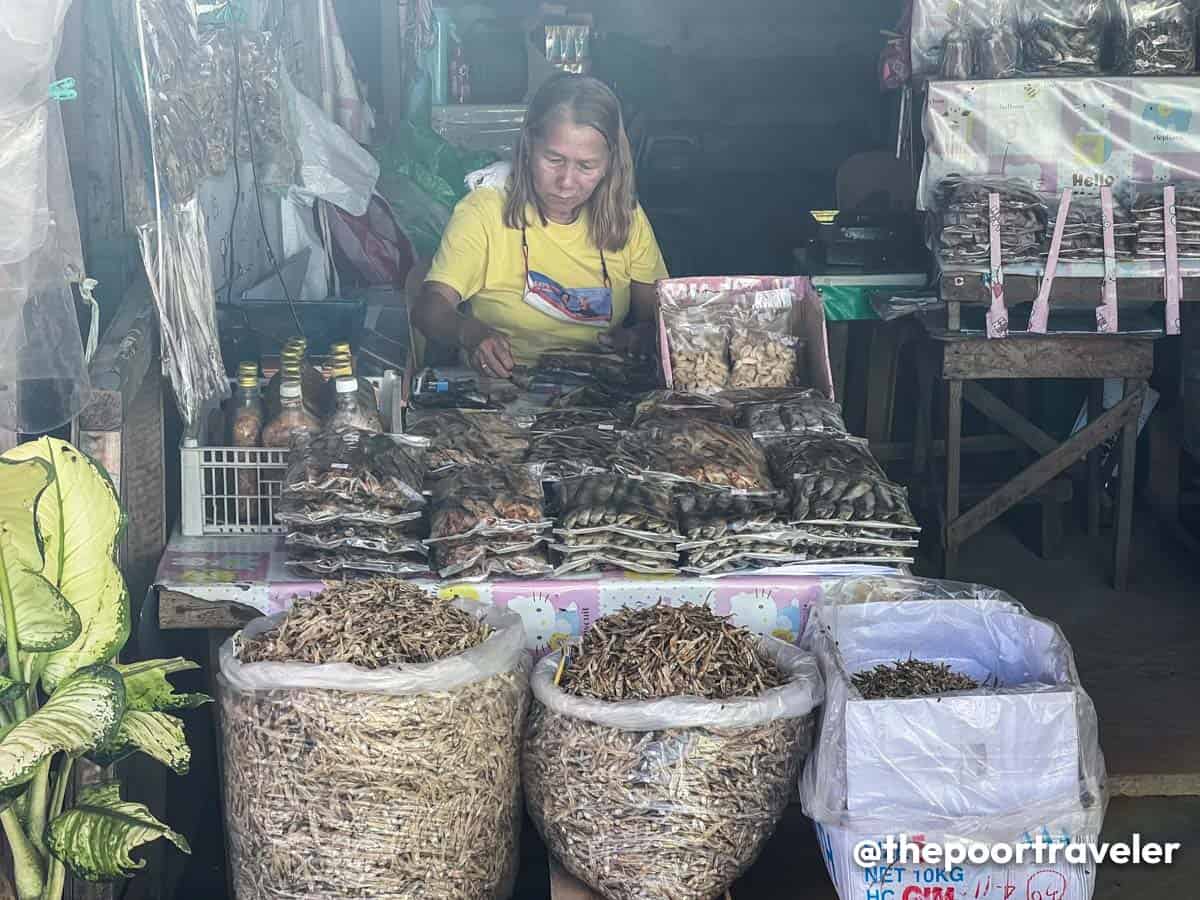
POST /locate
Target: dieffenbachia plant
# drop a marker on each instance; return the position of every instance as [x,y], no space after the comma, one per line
[63,696]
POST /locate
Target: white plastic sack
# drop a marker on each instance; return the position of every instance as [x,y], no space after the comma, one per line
[504,651]
[990,765]
[494,176]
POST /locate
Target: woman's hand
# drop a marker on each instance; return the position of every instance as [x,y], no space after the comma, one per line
[638,340]
[488,350]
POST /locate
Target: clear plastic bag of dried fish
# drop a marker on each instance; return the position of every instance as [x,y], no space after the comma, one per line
[614,500]
[665,405]
[484,500]
[660,763]
[1063,37]
[472,559]
[1147,202]
[1083,233]
[707,453]
[763,353]
[575,416]
[962,222]
[358,467]
[580,450]
[467,438]
[1160,37]
[384,539]
[603,366]
[735,552]
[707,513]
[698,339]
[767,412]
[836,479]
[371,744]
[297,513]
[345,563]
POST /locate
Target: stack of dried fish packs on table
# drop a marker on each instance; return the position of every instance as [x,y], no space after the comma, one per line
[617,521]
[787,411]
[489,520]
[662,751]
[582,449]
[353,503]
[372,738]
[469,437]
[662,406]
[1083,234]
[963,221]
[1150,211]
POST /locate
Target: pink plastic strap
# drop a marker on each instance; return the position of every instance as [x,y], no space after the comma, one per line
[1172,288]
[997,314]
[1040,313]
[1106,313]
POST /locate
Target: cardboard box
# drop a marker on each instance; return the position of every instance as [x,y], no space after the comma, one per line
[808,317]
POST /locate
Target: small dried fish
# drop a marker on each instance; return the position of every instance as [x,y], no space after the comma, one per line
[910,678]
[359,467]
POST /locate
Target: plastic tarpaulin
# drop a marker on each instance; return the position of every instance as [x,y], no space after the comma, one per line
[1078,133]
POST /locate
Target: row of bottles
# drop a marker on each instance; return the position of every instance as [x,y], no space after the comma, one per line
[299,399]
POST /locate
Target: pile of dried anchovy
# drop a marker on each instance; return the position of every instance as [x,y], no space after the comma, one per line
[668,651]
[673,814]
[376,623]
[910,678]
[333,793]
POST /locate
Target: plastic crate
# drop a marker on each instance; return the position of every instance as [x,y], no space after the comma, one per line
[231,490]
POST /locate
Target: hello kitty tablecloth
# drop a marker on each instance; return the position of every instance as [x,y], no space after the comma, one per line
[250,570]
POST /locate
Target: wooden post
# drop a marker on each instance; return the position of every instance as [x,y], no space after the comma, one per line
[1094,485]
[1134,392]
[953,470]
[923,427]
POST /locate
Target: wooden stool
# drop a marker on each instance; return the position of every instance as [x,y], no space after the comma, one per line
[964,359]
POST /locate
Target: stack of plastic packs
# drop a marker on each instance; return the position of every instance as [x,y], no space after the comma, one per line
[953,714]
[470,437]
[581,449]
[1160,37]
[1083,235]
[1063,37]
[353,504]
[489,520]
[613,520]
[963,217]
[1151,217]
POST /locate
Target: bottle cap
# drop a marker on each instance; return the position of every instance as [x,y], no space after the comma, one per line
[339,347]
[289,390]
[346,385]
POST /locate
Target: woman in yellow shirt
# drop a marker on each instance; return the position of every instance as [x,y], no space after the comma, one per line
[562,256]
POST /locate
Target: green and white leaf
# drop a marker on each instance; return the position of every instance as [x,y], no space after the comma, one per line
[22,482]
[95,838]
[9,689]
[79,521]
[84,713]
[156,734]
[148,690]
[45,620]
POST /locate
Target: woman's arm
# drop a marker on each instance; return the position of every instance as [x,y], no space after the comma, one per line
[435,312]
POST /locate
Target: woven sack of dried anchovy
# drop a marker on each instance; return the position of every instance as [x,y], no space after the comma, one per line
[371,744]
[670,793]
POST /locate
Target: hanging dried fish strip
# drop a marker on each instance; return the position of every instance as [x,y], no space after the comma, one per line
[910,678]
[658,406]
[486,499]
[671,798]
[708,453]
[374,781]
[615,500]
[359,467]
[467,438]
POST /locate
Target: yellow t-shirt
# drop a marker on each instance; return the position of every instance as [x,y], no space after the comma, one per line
[481,259]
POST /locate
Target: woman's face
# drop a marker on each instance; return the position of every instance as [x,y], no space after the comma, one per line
[568,164]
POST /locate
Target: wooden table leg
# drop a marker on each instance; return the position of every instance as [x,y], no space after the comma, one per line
[953,469]
[923,427]
[1094,482]
[1128,474]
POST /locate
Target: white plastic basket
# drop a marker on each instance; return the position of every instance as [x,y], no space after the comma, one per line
[231,490]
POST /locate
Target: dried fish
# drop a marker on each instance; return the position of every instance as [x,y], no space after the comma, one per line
[762,359]
[615,500]
[377,539]
[910,678]
[581,450]
[359,467]
[659,406]
[487,499]
[571,417]
[789,411]
[470,437]
[335,793]
[332,511]
[707,453]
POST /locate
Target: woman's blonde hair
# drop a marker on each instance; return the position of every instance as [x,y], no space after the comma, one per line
[584,101]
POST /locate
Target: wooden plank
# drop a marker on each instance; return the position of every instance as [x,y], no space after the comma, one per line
[1057,356]
[1094,483]
[177,610]
[124,355]
[1067,291]
[1008,418]
[1036,475]
[953,469]
[923,426]
[882,363]
[1135,390]
[1184,784]
[973,444]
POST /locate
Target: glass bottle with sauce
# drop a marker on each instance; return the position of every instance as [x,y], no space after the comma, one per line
[349,410]
[246,431]
[293,417]
[341,355]
[311,380]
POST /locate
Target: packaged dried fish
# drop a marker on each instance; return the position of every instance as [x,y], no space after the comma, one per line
[358,467]
[761,359]
[700,357]
[298,513]
[385,540]
[580,450]
[1063,37]
[573,417]
[605,367]
[962,221]
[609,396]
[706,513]
[609,536]
[637,553]
[468,438]
[707,453]
[660,406]
[487,499]
[480,557]
[616,500]
[322,563]
[595,562]
[1160,37]
[788,411]
[834,479]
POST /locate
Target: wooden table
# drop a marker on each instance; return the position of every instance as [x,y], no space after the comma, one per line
[963,360]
